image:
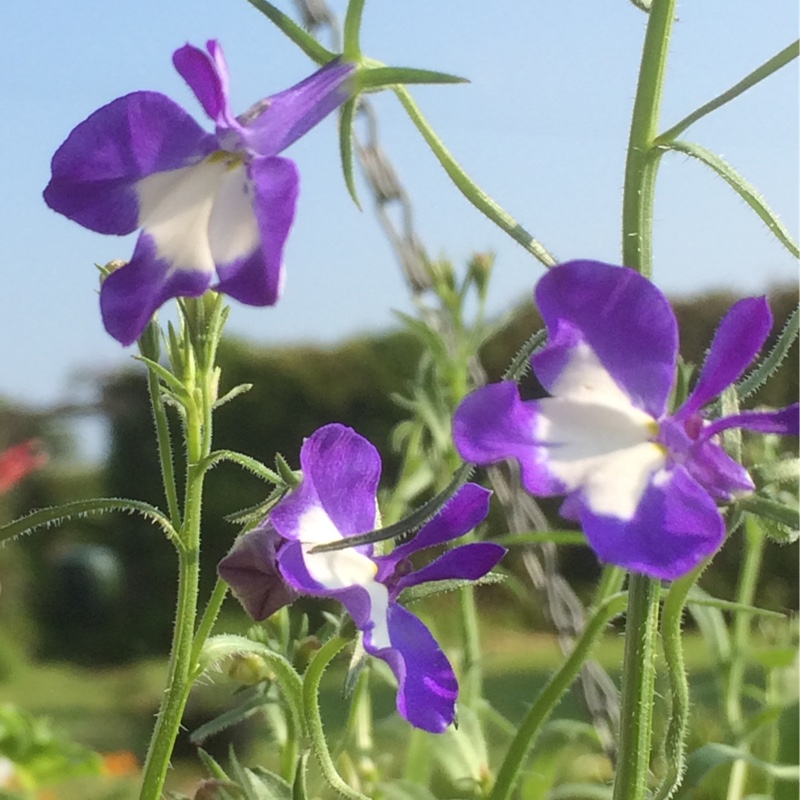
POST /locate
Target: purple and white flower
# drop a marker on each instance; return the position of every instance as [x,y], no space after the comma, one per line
[642,482]
[272,565]
[206,203]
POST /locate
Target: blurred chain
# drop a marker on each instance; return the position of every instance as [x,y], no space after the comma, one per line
[564,608]
[392,204]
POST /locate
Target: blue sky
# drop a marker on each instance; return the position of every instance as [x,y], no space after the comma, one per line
[542,128]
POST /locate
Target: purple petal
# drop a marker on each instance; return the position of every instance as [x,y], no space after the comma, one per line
[493,424]
[675,527]
[131,295]
[739,337]
[720,475]
[207,76]
[341,471]
[96,169]
[427,687]
[251,570]
[272,125]
[255,276]
[467,562]
[461,514]
[621,316]
[783,421]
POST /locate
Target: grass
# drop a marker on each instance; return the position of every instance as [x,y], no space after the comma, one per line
[112,709]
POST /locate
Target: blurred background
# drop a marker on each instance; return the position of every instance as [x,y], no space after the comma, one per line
[542,127]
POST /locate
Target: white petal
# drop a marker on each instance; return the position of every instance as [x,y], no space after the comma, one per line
[233,228]
[175,207]
[340,568]
[379,606]
[605,450]
[585,378]
[344,568]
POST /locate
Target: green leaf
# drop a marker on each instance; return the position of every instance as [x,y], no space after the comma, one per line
[712,625]
[213,767]
[742,187]
[706,758]
[46,517]
[248,463]
[375,78]
[581,791]
[775,63]
[767,510]
[233,393]
[537,537]
[786,470]
[461,752]
[304,40]
[404,790]
[352,30]
[699,598]
[250,702]
[415,593]
[346,117]
[769,365]
[174,384]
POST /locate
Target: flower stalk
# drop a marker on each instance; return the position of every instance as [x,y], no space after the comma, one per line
[639,669]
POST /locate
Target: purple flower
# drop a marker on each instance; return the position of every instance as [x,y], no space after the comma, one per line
[643,483]
[270,566]
[205,202]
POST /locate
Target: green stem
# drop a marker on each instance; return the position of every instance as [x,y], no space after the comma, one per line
[740,634]
[182,657]
[638,688]
[467,186]
[311,683]
[471,688]
[643,158]
[209,618]
[672,642]
[549,697]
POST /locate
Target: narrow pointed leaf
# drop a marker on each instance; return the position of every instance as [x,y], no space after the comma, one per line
[703,760]
[346,117]
[248,463]
[741,186]
[304,40]
[352,30]
[380,77]
[83,508]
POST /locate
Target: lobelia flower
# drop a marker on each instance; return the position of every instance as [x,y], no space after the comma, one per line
[205,202]
[272,565]
[643,483]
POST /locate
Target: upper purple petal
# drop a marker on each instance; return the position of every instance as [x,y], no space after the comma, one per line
[739,337]
[95,170]
[341,471]
[207,76]
[467,562]
[273,124]
[132,294]
[257,278]
[493,424]
[427,686]
[782,421]
[463,512]
[622,316]
[252,572]
[675,527]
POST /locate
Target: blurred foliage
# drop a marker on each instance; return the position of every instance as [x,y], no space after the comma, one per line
[103,589]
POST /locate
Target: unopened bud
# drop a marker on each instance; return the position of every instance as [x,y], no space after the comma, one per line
[249,669]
